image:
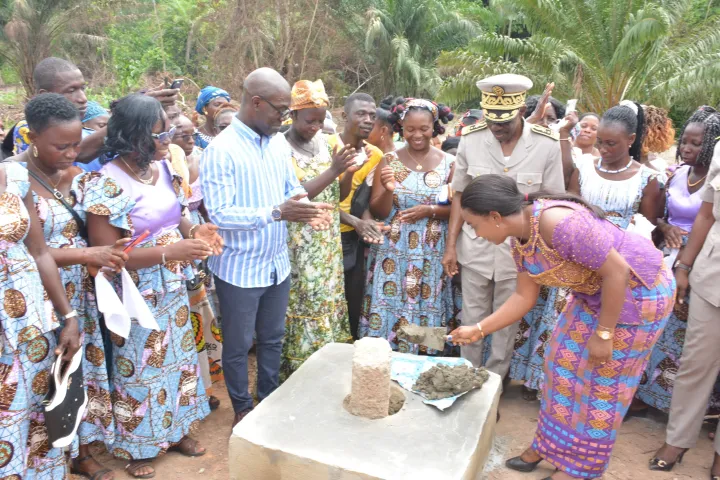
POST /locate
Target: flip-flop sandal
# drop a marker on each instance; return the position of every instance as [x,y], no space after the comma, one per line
[132,468]
[194,443]
[95,476]
[213,402]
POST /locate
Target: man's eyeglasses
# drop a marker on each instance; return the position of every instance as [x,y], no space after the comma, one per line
[284,114]
[164,136]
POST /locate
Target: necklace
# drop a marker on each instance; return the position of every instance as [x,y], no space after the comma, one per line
[619,170]
[146,182]
[691,185]
[419,166]
[56,193]
[296,145]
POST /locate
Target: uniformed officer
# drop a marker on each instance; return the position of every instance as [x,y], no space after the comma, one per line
[503,144]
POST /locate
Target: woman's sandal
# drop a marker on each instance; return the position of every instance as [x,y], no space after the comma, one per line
[75,470]
[188,447]
[529,394]
[664,466]
[133,467]
[213,402]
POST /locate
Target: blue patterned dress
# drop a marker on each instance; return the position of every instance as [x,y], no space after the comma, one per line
[621,201]
[405,280]
[61,231]
[27,342]
[157,393]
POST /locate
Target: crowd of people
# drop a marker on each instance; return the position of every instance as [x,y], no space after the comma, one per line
[258,224]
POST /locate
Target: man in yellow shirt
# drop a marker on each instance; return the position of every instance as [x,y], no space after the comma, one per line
[359,118]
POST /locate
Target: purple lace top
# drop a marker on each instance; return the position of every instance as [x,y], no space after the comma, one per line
[581,243]
[156,206]
[682,206]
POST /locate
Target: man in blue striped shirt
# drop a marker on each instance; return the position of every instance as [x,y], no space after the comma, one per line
[250,190]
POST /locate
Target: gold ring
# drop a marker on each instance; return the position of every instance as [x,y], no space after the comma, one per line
[603,363]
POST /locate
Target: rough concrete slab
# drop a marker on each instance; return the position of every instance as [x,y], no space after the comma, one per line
[302,432]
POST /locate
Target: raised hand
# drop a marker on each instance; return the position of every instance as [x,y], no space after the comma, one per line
[343,159]
[387,178]
[539,114]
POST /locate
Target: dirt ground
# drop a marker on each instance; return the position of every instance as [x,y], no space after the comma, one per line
[638,440]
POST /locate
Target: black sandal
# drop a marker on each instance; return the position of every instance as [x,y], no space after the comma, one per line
[95,476]
[132,468]
[214,402]
[186,452]
[662,466]
[529,394]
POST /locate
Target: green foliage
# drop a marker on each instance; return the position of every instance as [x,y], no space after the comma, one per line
[603,51]
[404,36]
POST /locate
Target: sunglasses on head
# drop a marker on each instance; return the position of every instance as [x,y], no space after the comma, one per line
[164,136]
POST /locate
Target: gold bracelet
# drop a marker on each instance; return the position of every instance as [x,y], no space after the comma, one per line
[482,334]
[565,139]
[432,208]
[190,232]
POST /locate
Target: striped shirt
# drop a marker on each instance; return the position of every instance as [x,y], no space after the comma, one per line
[243,176]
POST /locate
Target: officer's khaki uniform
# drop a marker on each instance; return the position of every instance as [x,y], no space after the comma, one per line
[489,275]
[700,359]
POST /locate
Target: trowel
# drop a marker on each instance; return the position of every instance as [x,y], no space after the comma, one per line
[431,337]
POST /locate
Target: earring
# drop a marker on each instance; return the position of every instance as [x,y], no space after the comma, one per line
[382,137]
[497,225]
[205,111]
[35,151]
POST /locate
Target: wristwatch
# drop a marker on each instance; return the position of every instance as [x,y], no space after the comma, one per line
[605,335]
[276,213]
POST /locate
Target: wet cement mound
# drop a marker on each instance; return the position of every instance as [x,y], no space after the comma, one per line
[443,381]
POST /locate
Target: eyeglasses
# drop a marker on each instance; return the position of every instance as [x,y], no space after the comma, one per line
[284,114]
[187,137]
[164,136]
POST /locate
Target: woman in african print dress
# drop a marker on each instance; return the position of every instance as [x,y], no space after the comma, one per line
[683,200]
[53,120]
[28,342]
[600,346]
[621,187]
[317,313]
[158,397]
[406,283]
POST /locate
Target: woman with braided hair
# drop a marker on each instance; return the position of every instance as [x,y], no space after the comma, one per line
[692,224]
[406,282]
[681,205]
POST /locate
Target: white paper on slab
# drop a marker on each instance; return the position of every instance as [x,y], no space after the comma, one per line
[641,226]
[406,370]
[670,259]
[135,304]
[116,316]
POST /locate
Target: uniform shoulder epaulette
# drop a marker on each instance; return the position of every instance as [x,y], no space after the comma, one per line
[545,131]
[473,128]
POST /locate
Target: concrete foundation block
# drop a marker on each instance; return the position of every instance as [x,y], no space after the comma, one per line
[303,432]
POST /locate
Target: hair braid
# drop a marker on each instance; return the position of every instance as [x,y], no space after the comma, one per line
[710,118]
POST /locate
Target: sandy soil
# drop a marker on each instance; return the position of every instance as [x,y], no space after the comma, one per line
[638,440]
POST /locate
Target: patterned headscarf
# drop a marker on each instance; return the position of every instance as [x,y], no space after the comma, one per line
[93,110]
[207,95]
[431,107]
[307,94]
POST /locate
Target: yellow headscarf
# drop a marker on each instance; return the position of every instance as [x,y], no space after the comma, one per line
[307,94]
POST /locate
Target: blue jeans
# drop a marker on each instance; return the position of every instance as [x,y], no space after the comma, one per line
[246,311]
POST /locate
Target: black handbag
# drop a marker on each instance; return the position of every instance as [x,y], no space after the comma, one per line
[361,200]
[202,274]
